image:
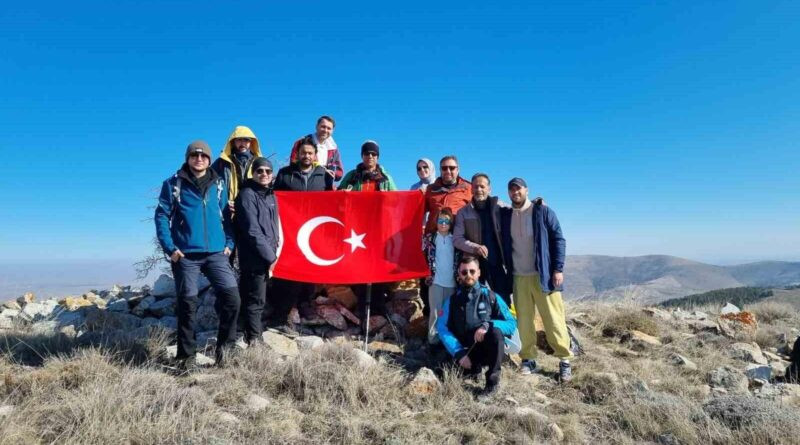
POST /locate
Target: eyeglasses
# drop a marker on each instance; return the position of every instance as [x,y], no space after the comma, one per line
[465,272]
[449,167]
[263,171]
[424,167]
[197,155]
[370,153]
[443,221]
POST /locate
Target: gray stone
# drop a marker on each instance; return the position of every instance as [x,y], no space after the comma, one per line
[229,418]
[11,304]
[161,308]
[728,378]
[120,305]
[754,371]
[555,432]
[10,313]
[729,309]
[424,382]
[101,320]
[657,313]
[683,362]
[255,403]
[527,411]
[47,327]
[309,342]
[203,360]
[280,344]
[70,318]
[698,315]
[143,306]
[6,322]
[206,339]
[748,352]
[778,367]
[170,323]
[163,287]
[150,321]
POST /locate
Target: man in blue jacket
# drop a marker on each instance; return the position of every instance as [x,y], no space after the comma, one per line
[194,229]
[257,237]
[535,249]
[473,325]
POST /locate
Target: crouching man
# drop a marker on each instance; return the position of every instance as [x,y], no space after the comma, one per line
[193,226]
[473,326]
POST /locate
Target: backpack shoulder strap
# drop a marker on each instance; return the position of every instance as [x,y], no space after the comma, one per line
[176,189]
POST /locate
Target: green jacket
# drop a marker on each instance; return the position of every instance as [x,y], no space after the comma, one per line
[352,181]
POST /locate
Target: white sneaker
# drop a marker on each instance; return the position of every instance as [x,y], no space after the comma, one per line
[240,343]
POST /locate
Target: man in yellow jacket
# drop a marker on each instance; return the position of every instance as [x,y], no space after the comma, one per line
[235,162]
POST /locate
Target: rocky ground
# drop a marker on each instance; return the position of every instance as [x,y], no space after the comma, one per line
[98,368]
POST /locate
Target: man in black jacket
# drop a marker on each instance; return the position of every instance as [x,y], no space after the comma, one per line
[303,175]
[258,236]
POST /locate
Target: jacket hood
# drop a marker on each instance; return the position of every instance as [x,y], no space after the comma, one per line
[240,132]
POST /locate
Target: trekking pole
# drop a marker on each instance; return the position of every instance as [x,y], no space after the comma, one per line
[369,304]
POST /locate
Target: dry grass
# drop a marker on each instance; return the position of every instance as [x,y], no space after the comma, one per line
[771,312]
[106,392]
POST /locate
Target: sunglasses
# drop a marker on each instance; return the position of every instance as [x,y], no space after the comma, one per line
[263,171]
[465,272]
[370,153]
[419,169]
[197,155]
[443,221]
[449,167]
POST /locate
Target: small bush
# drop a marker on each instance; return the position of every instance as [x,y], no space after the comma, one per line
[624,320]
[771,311]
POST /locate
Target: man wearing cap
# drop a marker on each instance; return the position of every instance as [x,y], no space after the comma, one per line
[302,175]
[193,227]
[369,176]
[477,233]
[257,238]
[535,250]
[327,150]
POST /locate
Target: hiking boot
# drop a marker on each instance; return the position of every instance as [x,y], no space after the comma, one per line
[187,366]
[528,367]
[240,342]
[285,329]
[564,371]
[223,354]
[488,393]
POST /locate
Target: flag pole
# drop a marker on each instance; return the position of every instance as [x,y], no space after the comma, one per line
[369,305]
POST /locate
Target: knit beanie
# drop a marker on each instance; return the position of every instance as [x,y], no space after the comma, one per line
[370,146]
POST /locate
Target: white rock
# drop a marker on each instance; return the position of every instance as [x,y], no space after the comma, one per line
[6,410]
[6,323]
[363,359]
[10,313]
[729,309]
[309,342]
[556,432]
[280,344]
[683,362]
[748,352]
[37,311]
[229,418]
[254,402]
[202,360]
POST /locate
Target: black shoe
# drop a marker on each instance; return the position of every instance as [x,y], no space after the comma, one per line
[488,393]
[285,329]
[222,355]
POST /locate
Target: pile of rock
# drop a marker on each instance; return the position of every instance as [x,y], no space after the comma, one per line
[135,312]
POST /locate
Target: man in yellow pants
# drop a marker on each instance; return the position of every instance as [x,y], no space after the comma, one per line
[535,250]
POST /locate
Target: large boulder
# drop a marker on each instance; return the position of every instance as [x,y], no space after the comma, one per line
[748,352]
[280,344]
[163,287]
[760,372]
[143,306]
[729,379]
[309,342]
[424,383]
[162,308]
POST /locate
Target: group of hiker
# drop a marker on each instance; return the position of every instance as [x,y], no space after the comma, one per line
[493,265]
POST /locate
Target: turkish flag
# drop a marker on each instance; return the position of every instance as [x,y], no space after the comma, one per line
[350,237]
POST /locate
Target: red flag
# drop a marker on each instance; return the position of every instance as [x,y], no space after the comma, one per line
[351,237]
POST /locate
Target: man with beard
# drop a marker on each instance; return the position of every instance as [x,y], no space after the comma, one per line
[258,238]
[477,233]
[193,226]
[303,175]
[234,164]
[473,326]
[327,150]
[535,250]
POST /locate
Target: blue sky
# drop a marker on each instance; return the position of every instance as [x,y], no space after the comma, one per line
[650,127]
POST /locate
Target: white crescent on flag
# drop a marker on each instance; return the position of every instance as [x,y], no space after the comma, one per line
[356,241]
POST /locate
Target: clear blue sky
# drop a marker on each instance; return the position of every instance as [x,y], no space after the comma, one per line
[650,127]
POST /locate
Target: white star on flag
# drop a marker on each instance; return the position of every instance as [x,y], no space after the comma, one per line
[355,241]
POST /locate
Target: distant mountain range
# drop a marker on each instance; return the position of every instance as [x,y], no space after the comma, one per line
[655,278]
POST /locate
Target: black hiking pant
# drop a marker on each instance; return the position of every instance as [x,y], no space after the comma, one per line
[253,285]
[489,353]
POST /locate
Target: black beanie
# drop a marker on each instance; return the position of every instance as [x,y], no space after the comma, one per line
[261,162]
[370,146]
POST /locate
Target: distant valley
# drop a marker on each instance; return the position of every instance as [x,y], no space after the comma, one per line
[654,278]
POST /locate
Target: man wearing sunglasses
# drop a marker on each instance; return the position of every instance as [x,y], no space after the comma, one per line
[193,226]
[257,238]
[474,324]
[535,250]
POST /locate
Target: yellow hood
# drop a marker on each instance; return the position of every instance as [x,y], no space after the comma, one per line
[239,132]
